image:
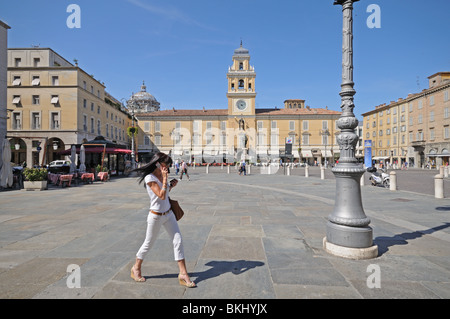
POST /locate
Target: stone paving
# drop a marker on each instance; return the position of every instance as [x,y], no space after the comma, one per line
[246,237]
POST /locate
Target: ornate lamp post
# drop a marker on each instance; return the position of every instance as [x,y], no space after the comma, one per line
[131,105]
[348,231]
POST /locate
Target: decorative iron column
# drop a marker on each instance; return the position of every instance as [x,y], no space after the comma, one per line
[348,231]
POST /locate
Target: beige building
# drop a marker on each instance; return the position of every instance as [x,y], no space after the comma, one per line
[241,130]
[54,104]
[3,88]
[415,129]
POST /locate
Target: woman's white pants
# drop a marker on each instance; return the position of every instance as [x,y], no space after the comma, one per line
[154,223]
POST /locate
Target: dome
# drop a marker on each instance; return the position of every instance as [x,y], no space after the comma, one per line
[241,51]
[143,95]
[143,101]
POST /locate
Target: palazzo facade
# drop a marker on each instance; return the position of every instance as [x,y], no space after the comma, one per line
[241,131]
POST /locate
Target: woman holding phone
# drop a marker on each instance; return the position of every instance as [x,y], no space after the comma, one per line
[155,175]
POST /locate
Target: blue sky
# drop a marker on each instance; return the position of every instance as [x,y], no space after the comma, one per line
[182,49]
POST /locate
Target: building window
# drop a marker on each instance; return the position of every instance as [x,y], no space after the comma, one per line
[35,80]
[16,80]
[432,116]
[84,103]
[157,126]
[36,62]
[305,139]
[55,80]
[54,100]
[107,130]
[223,125]
[292,125]
[17,62]
[92,125]
[445,112]
[85,123]
[446,132]
[431,100]
[158,139]
[260,125]
[147,126]
[432,134]
[35,120]
[446,95]
[420,104]
[146,140]
[273,125]
[16,121]
[84,85]
[99,127]
[54,121]
[35,100]
[92,107]
[410,107]
[306,125]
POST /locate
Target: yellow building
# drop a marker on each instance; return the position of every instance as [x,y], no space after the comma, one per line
[54,104]
[415,130]
[241,130]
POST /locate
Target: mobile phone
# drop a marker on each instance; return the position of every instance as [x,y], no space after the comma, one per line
[158,165]
[172,182]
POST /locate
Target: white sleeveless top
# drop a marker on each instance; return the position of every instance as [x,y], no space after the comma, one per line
[156,203]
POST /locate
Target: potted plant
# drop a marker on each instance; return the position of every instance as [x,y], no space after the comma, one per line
[35,178]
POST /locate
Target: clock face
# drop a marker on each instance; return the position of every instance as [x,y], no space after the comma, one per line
[241,105]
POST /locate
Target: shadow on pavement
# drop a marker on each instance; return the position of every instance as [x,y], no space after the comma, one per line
[384,242]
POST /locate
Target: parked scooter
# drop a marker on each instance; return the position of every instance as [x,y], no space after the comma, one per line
[378,179]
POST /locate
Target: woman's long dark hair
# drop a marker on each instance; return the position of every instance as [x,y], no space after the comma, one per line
[151,166]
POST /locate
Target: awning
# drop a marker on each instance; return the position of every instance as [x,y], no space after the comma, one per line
[55,100]
[16,81]
[98,149]
[377,158]
[35,81]
[306,154]
[16,100]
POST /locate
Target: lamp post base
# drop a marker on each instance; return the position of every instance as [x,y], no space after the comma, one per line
[350,253]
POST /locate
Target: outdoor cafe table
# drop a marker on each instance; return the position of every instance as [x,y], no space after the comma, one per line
[65,178]
[103,176]
[87,176]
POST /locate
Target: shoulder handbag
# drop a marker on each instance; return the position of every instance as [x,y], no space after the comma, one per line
[177,210]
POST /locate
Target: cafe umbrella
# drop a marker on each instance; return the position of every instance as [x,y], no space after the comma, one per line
[6,173]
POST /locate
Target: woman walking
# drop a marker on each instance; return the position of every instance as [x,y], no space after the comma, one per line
[155,175]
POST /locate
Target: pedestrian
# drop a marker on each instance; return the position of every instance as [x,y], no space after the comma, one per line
[242,168]
[177,167]
[184,170]
[155,175]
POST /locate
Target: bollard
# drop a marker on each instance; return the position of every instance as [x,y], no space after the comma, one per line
[221,166]
[306,171]
[228,169]
[288,170]
[207,168]
[438,186]
[322,172]
[393,181]
[441,170]
[446,171]
[361,182]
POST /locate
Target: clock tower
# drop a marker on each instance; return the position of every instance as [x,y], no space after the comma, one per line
[241,84]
